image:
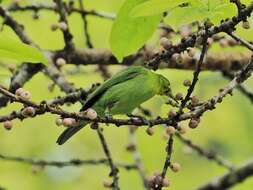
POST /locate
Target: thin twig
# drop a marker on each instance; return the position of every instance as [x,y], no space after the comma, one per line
[242,88]
[167,163]
[137,156]
[210,155]
[66,33]
[195,74]
[40,7]
[230,179]
[238,4]
[17,28]
[60,164]
[114,169]
[23,74]
[85,25]
[242,41]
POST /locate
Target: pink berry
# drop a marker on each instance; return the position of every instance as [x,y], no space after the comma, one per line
[8,125]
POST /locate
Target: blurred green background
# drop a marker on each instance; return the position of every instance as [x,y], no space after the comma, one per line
[226,130]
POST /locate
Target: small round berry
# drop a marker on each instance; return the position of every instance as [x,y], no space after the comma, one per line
[187,83]
[179,59]
[90,113]
[175,57]
[166,182]
[37,168]
[165,136]
[158,180]
[60,62]
[36,16]
[194,100]
[175,167]
[182,129]
[210,41]
[131,147]
[68,122]
[8,125]
[94,126]
[54,27]
[223,42]
[246,25]
[179,96]
[28,111]
[193,123]
[191,52]
[26,95]
[170,130]
[232,42]
[165,43]
[172,113]
[63,26]
[19,91]
[150,131]
[185,31]
[12,67]
[151,181]
[107,184]
[58,121]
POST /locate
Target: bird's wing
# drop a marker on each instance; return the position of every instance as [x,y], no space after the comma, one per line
[120,77]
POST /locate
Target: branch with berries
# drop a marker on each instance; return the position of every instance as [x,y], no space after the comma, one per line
[185,55]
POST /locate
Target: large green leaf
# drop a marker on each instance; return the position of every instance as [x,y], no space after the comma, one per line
[186,11]
[200,10]
[128,34]
[154,7]
[19,52]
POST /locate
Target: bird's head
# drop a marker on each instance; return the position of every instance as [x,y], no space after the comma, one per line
[165,87]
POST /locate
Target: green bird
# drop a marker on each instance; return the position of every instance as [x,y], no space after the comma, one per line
[121,94]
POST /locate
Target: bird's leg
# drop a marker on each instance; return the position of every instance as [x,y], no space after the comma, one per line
[109,106]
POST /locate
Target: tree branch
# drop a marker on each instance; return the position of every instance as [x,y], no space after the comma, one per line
[210,155]
[230,179]
[61,164]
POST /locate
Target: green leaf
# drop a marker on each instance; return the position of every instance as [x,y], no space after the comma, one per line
[154,7]
[17,51]
[200,10]
[128,34]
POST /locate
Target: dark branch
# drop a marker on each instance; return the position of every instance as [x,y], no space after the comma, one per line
[230,179]
[114,169]
[60,164]
[210,155]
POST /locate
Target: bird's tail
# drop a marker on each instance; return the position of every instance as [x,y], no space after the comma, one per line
[69,132]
